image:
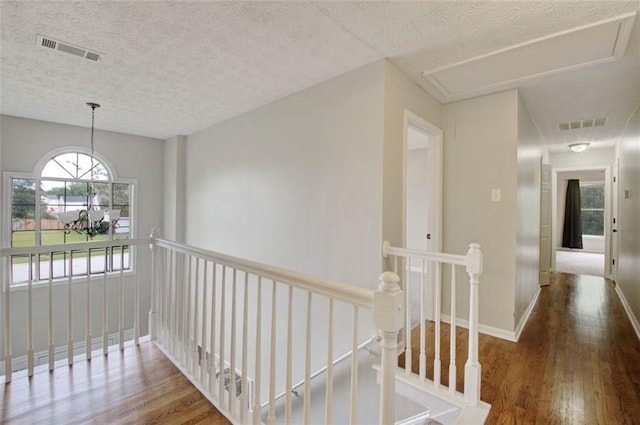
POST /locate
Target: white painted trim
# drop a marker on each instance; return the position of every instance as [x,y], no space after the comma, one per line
[632,318]
[525,317]
[607,210]
[483,329]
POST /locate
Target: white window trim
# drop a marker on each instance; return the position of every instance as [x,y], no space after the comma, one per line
[36,175]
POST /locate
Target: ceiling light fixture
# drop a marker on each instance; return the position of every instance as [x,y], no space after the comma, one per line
[578,147]
[93,220]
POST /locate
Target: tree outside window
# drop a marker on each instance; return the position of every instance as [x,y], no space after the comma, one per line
[592,206]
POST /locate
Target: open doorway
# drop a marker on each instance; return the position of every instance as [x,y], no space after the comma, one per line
[422,209]
[586,251]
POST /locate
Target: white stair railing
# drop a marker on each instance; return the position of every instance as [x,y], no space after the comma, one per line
[430,269]
[68,293]
[244,332]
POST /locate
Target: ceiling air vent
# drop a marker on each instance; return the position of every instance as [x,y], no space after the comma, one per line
[63,46]
[579,124]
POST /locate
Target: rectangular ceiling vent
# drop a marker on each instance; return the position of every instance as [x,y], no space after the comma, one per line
[508,68]
[580,124]
[63,46]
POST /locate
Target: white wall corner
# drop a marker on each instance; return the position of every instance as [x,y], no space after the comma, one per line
[632,318]
[525,317]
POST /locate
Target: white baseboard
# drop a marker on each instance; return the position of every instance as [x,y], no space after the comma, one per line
[632,318]
[483,329]
[42,357]
[525,317]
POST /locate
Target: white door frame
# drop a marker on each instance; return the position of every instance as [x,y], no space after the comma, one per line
[435,203]
[607,211]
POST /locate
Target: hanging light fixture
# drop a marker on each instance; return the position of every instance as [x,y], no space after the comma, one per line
[91,221]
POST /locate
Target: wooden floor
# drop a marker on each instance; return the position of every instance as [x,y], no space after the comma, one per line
[138,386]
[577,360]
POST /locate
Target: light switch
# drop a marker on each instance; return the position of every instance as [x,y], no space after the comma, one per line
[496,195]
[627,194]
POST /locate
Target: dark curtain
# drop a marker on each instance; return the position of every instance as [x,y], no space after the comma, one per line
[572,232]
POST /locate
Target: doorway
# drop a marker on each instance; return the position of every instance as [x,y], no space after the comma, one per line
[595,193]
[422,205]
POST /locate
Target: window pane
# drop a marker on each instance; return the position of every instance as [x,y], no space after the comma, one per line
[75,166]
[593,223]
[120,194]
[592,197]
[23,193]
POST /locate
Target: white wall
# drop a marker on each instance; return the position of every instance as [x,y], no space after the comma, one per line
[629,216]
[296,183]
[174,188]
[480,153]
[587,159]
[528,212]
[24,143]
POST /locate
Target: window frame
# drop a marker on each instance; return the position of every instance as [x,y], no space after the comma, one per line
[7,233]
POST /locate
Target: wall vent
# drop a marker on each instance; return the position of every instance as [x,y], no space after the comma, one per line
[63,46]
[580,124]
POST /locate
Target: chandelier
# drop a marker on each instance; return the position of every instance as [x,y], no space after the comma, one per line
[92,221]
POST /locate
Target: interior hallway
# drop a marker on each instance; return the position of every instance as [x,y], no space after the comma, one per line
[577,361]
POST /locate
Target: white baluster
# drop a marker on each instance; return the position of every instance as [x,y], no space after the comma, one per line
[353,405]
[70,313]
[196,307]
[306,408]
[204,365]
[136,313]
[88,307]
[388,317]
[452,332]
[51,328]
[156,285]
[232,358]
[186,318]
[408,360]
[289,377]
[271,419]
[423,319]
[105,311]
[438,312]
[8,369]
[257,380]
[245,307]
[223,302]
[30,360]
[212,338]
[328,413]
[121,301]
[472,371]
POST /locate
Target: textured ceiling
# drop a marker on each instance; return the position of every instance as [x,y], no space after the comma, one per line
[176,67]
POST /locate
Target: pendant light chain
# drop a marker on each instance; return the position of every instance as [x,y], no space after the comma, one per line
[93,107]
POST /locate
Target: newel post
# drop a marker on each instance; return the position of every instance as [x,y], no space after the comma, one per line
[472,372]
[388,315]
[153,330]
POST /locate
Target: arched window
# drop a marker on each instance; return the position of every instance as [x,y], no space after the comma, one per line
[72,198]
